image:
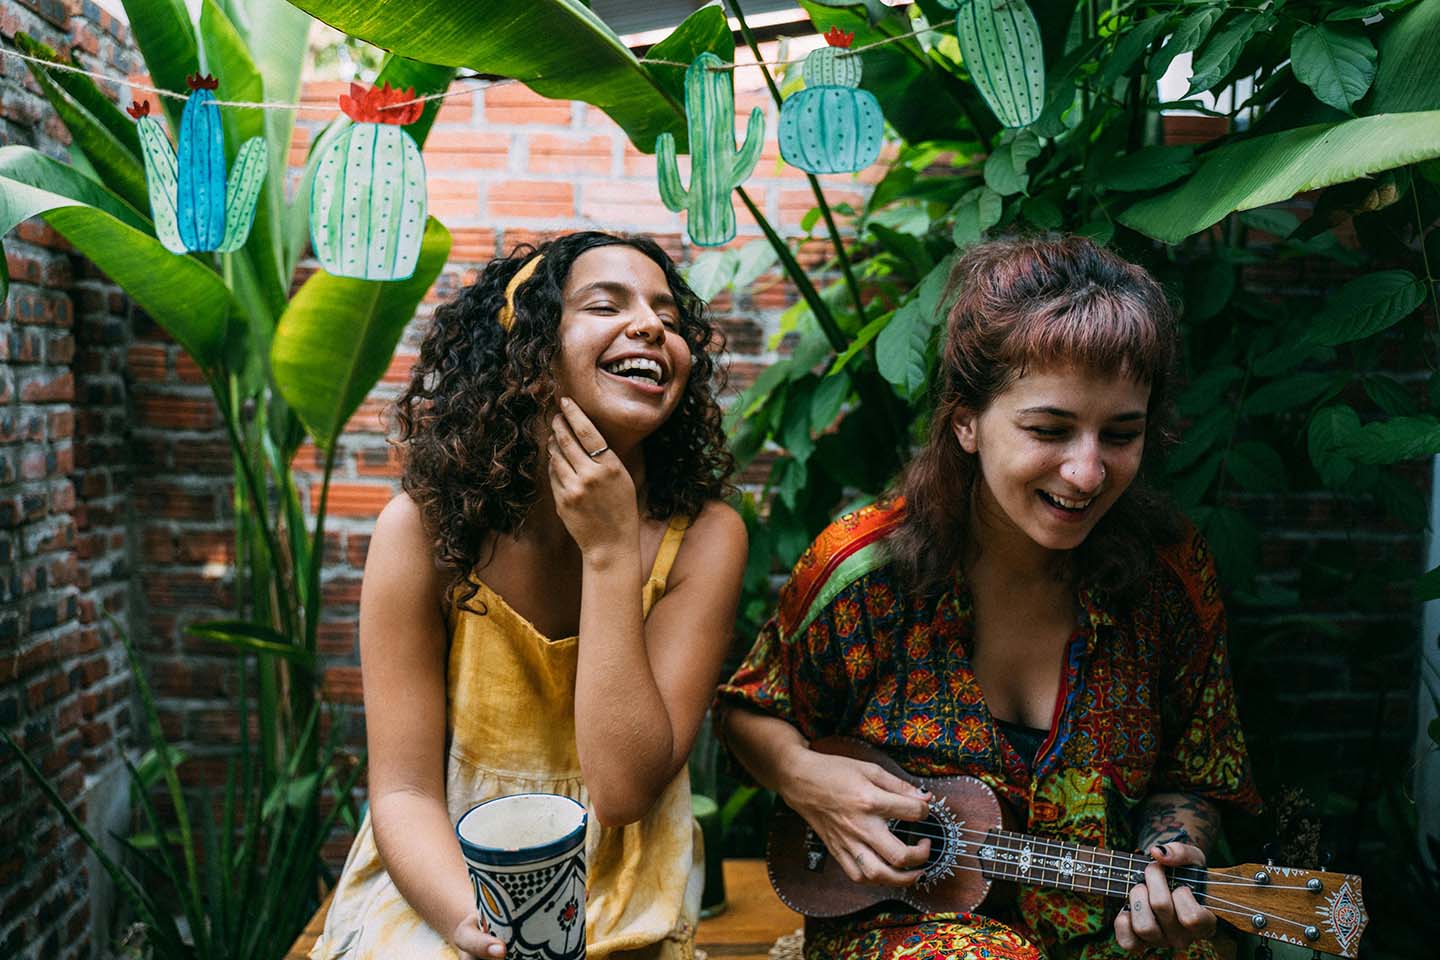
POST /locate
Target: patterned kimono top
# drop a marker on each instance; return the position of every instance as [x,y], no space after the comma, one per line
[1145,706]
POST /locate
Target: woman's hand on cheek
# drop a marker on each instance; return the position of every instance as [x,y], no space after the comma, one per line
[594,495]
[473,942]
[1155,915]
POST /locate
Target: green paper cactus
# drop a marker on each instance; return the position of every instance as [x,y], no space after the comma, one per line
[193,205]
[832,65]
[716,166]
[831,126]
[368,205]
[1000,42]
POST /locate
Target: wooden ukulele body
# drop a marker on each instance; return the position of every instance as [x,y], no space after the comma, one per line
[811,881]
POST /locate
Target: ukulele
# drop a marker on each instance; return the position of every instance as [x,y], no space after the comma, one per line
[971,849]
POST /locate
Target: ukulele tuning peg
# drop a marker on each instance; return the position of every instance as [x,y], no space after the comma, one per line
[1262,951]
[1326,855]
[1270,850]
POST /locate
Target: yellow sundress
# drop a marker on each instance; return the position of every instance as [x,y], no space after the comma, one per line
[511,718]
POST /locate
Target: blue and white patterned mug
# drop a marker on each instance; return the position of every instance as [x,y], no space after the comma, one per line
[526,855]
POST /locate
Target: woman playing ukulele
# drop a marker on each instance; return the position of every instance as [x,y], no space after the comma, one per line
[1024,611]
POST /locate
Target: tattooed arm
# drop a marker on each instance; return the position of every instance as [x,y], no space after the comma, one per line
[1176,818]
[1176,830]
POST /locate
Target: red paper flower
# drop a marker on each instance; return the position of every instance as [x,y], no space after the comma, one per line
[198,82]
[377,105]
[837,38]
[138,108]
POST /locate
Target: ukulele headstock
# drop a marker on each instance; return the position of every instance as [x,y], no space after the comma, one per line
[1310,908]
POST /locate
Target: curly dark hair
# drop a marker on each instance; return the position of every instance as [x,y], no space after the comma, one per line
[471,421]
[1031,302]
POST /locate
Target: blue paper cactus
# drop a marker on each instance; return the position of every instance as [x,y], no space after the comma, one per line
[830,126]
[716,167]
[367,204]
[194,206]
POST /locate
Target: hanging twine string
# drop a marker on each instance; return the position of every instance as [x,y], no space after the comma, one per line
[854,52]
[476,82]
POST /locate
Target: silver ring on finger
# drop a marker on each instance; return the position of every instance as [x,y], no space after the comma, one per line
[597,453]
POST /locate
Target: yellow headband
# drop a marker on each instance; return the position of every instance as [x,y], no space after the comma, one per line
[506,316]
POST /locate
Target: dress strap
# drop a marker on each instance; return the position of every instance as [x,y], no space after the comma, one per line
[665,556]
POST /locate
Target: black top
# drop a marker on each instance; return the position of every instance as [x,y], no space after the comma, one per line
[1025,740]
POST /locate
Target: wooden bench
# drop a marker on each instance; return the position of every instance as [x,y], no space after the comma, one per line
[753,919]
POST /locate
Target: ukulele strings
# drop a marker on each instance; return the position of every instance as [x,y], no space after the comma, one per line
[1119,858]
[1212,902]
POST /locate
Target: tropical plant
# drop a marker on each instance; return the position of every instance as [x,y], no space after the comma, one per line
[1337,96]
[283,368]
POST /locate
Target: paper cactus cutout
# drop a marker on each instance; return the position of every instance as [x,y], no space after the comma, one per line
[193,204]
[716,166]
[831,126]
[1000,43]
[367,204]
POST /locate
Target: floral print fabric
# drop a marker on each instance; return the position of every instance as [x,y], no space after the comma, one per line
[1146,705]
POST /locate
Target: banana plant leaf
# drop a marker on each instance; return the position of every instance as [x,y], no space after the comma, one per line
[182,295]
[558,48]
[1277,166]
[114,162]
[84,91]
[336,337]
[704,31]
[240,79]
[166,37]
[1409,57]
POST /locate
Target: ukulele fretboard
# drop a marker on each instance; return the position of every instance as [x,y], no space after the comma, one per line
[1070,866]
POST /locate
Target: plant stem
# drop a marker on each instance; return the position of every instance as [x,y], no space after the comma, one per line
[835,239]
[257,503]
[1430,279]
[808,293]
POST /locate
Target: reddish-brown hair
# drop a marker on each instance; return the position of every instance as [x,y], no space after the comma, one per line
[1039,303]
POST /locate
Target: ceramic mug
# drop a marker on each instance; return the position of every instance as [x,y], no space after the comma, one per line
[526,855]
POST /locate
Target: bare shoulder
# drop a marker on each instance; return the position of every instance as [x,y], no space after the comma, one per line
[715,543]
[402,550]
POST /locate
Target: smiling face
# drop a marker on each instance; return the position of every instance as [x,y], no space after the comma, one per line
[1056,449]
[621,358]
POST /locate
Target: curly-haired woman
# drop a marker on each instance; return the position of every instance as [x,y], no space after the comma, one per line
[1023,611]
[547,605]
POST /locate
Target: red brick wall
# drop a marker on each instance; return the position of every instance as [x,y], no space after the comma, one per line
[64,516]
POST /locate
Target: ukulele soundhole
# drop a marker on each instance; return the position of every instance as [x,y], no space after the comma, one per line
[947,844]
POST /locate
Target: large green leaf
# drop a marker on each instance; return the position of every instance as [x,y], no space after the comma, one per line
[1218,57]
[84,92]
[1148,168]
[902,348]
[1409,62]
[179,292]
[558,48]
[1367,305]
[338,334]
[705,30]
[1336,63]
[1394,440]
[166,37]
[228,59]
[1277,166]
[113,161]
[1188,34]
